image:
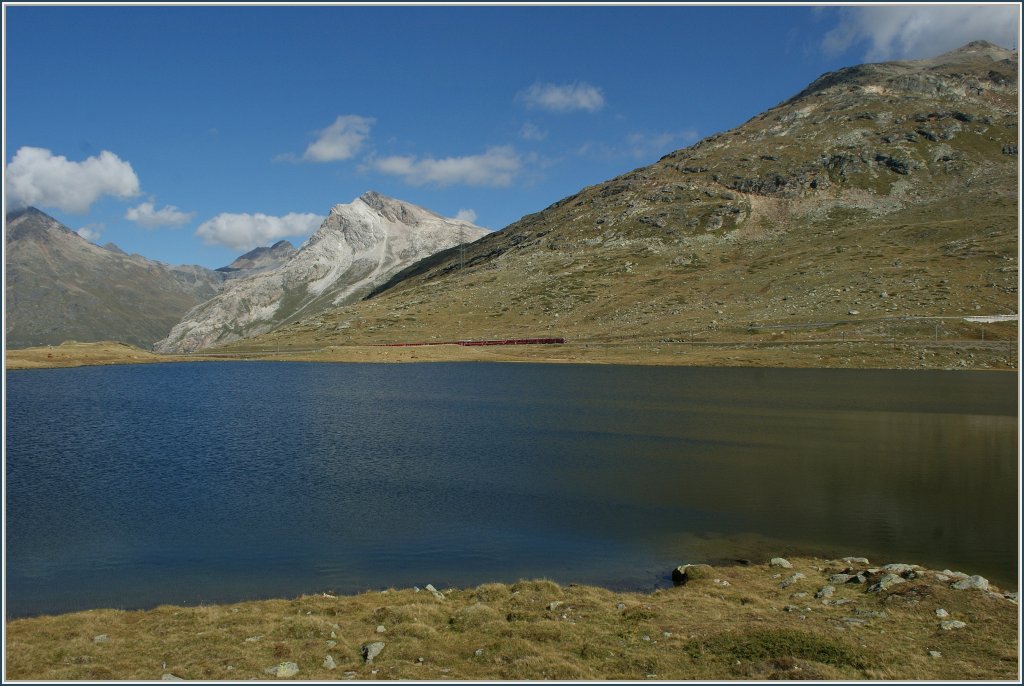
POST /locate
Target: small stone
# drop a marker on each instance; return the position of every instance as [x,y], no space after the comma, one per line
[170,677]
[800,594]
[941,613]
[348,676]
[102,638]
[1011,596]
[898,568]
[329,663]
[876,614]
[836,601]
[722,582]
[479,652]
[853,312]
[420,660]
[838,579]
[978,582]
[825,592]
[856,560]
[331,644]
[381,629]
[885,583]
[283,670]
[620,606]
[934,653]
[941,577]
[253,639]
[372,650]
[666,634]
[951,624]
[555,604]
[780,562]
[437,593]
[790,580]
[645,637]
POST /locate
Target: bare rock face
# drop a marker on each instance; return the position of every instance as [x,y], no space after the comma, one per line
[357,247]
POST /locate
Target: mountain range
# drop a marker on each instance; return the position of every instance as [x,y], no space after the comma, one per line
[879,195]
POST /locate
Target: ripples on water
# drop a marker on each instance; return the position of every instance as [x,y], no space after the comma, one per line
[184,483]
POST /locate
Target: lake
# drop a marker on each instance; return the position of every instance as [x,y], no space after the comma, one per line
[187,483]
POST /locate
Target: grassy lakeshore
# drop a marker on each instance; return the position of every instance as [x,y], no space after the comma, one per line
[728,622]
[806,353]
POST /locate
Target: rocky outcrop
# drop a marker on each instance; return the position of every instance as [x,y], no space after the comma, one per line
[357,247]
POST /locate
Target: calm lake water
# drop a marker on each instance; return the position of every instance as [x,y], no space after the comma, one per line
[133,486]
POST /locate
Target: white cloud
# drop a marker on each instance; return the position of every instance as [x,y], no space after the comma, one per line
[146,215]
[918,31]
[247,231]
[38,177]
[90,232]
[466,215]
[531,132]
[562,98]
[498,166]
[341,140]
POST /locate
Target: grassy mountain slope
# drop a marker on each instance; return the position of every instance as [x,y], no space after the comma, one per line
[878,194]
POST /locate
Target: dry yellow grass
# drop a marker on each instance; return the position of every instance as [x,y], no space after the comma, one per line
[735,624]
[739,353]
[73,354]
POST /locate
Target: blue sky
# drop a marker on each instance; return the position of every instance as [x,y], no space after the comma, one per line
[191,134]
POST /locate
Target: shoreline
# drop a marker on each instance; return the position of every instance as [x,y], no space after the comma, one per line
[831,354]
[805,617]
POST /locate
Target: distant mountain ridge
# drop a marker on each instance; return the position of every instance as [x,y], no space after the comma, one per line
[357,247]
[62,287]
[260,259]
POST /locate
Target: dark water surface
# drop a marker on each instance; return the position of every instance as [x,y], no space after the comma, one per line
[133,486]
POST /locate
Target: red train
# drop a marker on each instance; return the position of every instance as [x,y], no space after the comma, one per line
[498,341]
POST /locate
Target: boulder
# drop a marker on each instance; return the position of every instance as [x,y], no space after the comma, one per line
[372,650]
[885,583]
[978,582]
[685,573]
[283,670]
[951,624]
[780,562]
